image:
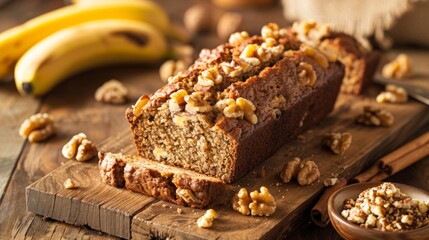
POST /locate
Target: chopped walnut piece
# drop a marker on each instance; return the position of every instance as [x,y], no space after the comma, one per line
[196,104]
[179,211]
[308,174]
[399,68]
[69,184]
[250,54]
[393,94]
[318,56]
[385,208]
[241,201]
[240,108]
[310,32]
[271,30]
[248,109]
[328,182]
[338,142]
[307,76]
[170,68]
[210,77]
[278,101]
[112,91]
[290,170]
[177,101]
[80,148]
[238,37]
[38,127]
[159,153]
[375,117]
[138,107]
[207,219]
[263,203]
[187,195]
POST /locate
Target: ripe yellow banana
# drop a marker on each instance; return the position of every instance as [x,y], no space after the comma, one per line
[85,46]
[16,41]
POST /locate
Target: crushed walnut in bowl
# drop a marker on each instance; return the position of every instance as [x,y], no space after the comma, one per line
[380,211]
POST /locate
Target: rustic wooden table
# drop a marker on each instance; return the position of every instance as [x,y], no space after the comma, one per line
[73,105]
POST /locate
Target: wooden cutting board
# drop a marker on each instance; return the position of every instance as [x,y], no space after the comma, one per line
[126,214]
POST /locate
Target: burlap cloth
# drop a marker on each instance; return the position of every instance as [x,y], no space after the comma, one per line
[388,21]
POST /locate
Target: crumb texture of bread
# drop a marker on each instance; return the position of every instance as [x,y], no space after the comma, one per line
[157,180]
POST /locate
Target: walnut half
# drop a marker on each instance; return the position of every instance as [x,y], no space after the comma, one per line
[393,94]
[112,91]
[80,148]
[290,170]
[305,174]
[338,142]
[399,68]
[308,174]
[375,117]
[38,127]
[258,204]
[263,203]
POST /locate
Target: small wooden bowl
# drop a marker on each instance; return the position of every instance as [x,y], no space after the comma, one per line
[351,231]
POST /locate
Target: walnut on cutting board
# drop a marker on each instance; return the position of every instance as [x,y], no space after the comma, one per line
[308,174]
[207,219]
[305,174]
[290,170]
[257,204]
[70,184]
[241,201]
[38,127]
[377,117]
[79,148]
[392,94]
[338,142]
[263,203]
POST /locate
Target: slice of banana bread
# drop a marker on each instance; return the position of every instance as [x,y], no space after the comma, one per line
[360,63]
[237,104]
[155,179]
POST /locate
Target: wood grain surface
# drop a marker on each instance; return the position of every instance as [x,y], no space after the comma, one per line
[75,110]
[126,214]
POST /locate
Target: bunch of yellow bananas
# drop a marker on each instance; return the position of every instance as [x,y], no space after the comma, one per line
[90,33]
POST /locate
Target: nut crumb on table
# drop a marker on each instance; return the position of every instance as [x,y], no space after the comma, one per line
[37,127]
[70,184]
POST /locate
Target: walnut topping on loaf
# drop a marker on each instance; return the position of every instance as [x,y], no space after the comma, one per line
[360,63]
[212,117]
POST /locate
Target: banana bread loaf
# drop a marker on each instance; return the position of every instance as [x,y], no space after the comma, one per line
[360,63]
[155,179]
[237,104]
